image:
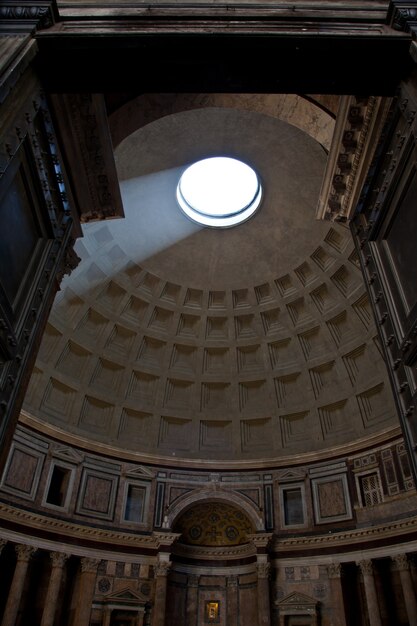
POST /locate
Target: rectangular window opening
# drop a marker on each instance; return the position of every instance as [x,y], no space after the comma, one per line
[293,507]
[58,486]
[135,500]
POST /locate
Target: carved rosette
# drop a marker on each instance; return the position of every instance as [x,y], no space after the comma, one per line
[334,570]
[58,559]
[162,568]
[24,553]
[89,565]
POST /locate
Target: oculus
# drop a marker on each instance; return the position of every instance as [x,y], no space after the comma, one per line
[219,192]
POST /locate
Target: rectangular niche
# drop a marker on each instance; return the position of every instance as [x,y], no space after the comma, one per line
[135,502]
[293,505]
[59,485]
[97,494]
[22,472]
[331,499]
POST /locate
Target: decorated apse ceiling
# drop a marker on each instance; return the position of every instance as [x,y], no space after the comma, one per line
[171,340]
[213,524]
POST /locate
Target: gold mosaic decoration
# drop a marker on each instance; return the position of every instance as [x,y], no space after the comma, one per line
[214,524]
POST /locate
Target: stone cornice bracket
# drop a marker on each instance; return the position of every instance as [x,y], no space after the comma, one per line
[165,539]
[17,17]
[359,122]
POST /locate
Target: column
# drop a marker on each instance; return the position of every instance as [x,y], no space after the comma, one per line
[264,613]
[232,601]
[403,566]
[161,570]
[367,571]
[51,600]
[86,588]
[334,572]
[24,554]
[106,616]
[192,600]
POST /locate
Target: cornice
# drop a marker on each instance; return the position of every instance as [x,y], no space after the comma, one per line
[35,523]
[351,539]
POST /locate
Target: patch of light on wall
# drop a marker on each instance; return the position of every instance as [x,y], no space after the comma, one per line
[219,192]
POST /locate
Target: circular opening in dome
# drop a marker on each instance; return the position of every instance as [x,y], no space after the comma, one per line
[219,192]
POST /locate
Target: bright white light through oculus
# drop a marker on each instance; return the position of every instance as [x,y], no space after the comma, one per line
[219,192]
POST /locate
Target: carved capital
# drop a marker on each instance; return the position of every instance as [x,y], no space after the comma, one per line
[263,569]
[232,581]
[89,565]
[3,542]
[24,553]
[58,559]
[334,570]
[366,567]
[162,568]
[193,580]
[401,562]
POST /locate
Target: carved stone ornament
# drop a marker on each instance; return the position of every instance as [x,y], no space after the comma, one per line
[69,262]
[263,570]
[334,570]
[366,567]
[89,565]
[3,542]
[401,17]
[24,553]
[103,585]
[59,558]
[41,15]
[401,562]
[162,568]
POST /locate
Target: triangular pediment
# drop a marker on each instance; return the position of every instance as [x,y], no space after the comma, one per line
[297,599]
[126,596]
[68,454]
[291,475]
[140,472]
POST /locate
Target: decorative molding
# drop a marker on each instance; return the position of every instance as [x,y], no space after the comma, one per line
[82,121]
[359,122]
[61,528]
[26,17]
[351,539]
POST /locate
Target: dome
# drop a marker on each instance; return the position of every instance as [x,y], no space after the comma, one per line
[247,344]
